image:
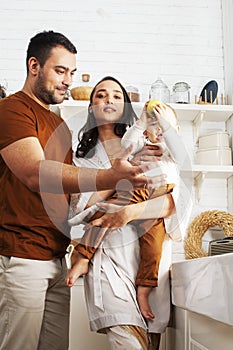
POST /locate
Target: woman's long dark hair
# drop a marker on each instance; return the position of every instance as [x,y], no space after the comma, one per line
[88,134]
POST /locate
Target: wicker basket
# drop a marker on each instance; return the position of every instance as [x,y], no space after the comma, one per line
[81,92]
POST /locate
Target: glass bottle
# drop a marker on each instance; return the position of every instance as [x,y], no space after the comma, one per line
[159,91]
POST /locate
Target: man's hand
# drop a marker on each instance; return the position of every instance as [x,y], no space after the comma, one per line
[149,153]
[127,176]
[130,175]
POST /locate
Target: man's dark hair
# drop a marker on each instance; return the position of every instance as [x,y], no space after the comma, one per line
[41,44]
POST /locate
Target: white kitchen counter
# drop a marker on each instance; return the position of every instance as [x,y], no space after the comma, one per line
[205,286]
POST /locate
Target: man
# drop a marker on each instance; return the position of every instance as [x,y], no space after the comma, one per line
[36,177]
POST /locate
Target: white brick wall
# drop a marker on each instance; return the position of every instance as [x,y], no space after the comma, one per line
[179,40]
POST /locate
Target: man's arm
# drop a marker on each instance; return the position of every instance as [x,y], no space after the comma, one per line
[25,158]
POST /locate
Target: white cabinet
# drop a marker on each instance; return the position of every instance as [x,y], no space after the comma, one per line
[192,331]
[81,338]
[207,334]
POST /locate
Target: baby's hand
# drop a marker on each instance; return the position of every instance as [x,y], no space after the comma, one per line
[165,116]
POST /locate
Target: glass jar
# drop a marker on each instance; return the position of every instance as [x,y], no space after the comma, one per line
[86,77]
[181,92]
[159,91]
[133,93]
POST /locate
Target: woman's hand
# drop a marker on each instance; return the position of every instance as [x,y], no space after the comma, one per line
[118,216]
[115,216]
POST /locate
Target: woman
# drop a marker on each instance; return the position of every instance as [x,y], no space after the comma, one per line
[109,286]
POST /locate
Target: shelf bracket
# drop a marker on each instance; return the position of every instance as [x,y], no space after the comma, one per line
[197,124]
[198,182]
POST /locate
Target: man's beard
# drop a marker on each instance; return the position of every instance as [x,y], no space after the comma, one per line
[46,96]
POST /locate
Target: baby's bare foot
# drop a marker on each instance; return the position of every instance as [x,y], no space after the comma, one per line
[142,297]
[79,268]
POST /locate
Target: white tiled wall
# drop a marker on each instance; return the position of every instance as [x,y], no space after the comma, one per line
[134,40]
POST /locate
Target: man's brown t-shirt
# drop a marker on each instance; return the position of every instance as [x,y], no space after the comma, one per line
[33,225]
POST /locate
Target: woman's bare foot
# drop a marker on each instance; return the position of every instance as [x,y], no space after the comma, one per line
[79,268]
[142,297]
